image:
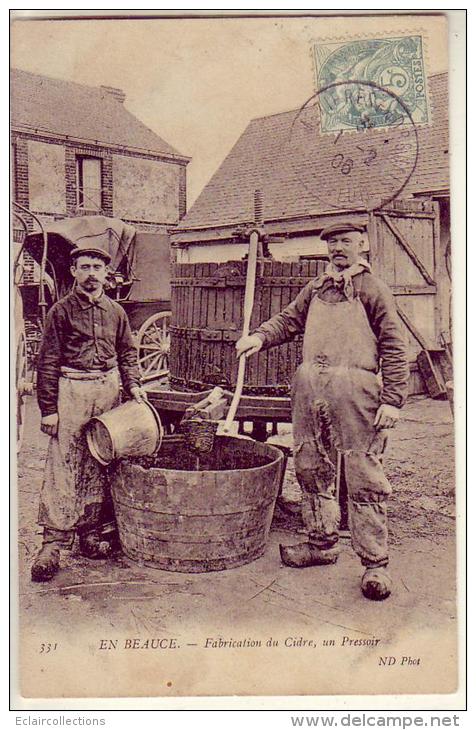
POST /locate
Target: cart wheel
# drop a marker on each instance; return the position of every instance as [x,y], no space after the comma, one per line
[153,346]
[23,386]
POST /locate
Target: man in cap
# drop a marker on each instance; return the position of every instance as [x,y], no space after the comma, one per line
[347,392]
[87,349]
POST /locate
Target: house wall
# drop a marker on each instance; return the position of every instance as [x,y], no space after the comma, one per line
[44,172]
[141,189]
[44,180]
[145,189]
[71,175]
[20,182]
[46,177]
[292,247]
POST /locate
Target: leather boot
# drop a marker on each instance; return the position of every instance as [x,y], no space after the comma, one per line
[306,554]
[376,584]
[46,564]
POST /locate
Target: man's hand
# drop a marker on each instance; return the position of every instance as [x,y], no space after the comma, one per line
[387,416]
[138,393]
[49,424]
[248,345]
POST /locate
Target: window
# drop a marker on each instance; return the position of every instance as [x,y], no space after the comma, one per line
[89,183]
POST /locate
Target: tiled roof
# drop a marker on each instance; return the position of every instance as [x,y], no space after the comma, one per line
[75,110]
[264,158]
[432,171]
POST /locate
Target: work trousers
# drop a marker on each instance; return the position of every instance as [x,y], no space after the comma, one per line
[321,418]
[75,492]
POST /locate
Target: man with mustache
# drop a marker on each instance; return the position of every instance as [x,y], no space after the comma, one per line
[347,392]
[87,349]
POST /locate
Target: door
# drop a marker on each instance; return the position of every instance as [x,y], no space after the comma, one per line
[405,253]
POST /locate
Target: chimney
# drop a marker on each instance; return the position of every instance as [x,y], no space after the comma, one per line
[118,94]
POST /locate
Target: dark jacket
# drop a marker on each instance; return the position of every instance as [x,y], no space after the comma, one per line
[85,335]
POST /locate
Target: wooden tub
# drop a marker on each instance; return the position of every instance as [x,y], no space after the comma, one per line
[178,518]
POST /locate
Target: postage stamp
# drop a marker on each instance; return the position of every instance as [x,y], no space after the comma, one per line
[394,65]
[348,171]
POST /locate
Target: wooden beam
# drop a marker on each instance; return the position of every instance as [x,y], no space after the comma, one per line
[414,330]
[308,224]
[270,408]
[406,214]
[431,375]
[374,249]
[402,289]
[437,253]
[409,204]
[408,249]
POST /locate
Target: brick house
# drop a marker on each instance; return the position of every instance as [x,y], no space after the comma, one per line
[76,150]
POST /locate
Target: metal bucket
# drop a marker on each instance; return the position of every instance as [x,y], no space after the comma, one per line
[132,429]
[175,516]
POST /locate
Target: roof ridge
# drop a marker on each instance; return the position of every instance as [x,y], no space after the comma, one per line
[84,112]
[66,81]
[439,73]
[275,114]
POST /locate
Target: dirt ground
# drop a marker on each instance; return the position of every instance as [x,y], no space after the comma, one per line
[120,597]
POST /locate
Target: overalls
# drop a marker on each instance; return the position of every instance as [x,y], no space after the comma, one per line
[335,398]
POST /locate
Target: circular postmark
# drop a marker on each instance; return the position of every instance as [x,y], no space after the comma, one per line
[354,145]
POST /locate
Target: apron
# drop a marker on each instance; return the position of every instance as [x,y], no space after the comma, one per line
[74,491]
[335,397]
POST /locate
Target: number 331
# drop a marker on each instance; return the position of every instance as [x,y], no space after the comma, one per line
[46,648]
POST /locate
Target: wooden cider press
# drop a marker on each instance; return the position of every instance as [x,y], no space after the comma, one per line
[200,422]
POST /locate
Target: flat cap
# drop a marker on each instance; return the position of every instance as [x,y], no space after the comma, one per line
[91,251]
[341,228]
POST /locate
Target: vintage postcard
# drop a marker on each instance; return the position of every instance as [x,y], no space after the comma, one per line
[232,276]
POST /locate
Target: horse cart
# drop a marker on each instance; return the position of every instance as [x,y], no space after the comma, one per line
[139,280]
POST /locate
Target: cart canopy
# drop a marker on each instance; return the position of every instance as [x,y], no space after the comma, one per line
[111,234]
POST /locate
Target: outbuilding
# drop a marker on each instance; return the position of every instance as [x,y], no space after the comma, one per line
[408,241]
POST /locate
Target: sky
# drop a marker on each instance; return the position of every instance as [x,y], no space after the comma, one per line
[198,82]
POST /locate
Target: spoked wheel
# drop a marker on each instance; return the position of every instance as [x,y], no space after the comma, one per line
[153,346]
[24,386]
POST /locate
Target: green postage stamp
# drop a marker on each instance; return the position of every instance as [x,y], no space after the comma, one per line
[391,73]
